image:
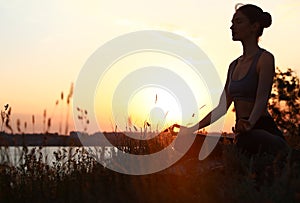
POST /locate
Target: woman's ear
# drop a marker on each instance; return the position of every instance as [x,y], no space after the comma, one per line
[255,27]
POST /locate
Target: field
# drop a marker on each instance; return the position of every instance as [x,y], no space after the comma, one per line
[225,176]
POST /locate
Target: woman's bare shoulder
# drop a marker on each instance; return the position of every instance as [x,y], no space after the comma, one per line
[266,55]
[266,60]
[233,63]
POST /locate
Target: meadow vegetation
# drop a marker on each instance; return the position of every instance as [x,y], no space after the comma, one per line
[76,176]
[227,175]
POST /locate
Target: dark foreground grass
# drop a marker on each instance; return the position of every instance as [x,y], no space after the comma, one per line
[74,176]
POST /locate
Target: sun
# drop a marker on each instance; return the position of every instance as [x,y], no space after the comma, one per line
[155,105]
[127,99]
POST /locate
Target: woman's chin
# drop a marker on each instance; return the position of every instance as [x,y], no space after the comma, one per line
[235,39]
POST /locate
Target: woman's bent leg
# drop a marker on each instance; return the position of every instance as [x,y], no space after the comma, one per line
[260,141]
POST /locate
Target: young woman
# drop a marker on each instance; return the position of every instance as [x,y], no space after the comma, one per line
[248,86]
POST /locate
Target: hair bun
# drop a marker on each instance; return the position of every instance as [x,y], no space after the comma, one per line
[266,19]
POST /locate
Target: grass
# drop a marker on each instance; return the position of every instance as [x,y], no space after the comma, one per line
[75,176]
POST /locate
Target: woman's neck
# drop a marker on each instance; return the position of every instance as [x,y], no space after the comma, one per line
[250,48]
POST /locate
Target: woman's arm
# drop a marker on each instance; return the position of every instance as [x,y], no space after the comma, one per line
[215,114]
[219,111]
[266,71]
[224,103]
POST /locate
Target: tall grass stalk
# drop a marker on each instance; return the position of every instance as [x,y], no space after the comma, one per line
[44,120]
[68,109]
[61,112]
[33,122]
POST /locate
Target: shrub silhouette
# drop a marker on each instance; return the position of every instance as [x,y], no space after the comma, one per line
[284,103]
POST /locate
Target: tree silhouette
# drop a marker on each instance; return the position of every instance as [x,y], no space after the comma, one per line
[284,103]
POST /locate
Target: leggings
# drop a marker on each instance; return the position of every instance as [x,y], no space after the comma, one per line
[263,137]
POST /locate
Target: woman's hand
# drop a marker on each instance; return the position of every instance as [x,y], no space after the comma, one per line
[183,129]
[185,137]
[243,125]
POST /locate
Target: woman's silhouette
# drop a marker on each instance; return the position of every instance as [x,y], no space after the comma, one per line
[248,86]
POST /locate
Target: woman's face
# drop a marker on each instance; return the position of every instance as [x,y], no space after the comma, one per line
[241,27]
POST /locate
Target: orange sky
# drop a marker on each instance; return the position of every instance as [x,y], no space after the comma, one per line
[45,44]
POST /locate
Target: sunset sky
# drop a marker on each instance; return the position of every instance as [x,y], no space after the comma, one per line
[45,44]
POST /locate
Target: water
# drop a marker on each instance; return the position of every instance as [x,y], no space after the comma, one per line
[12,155]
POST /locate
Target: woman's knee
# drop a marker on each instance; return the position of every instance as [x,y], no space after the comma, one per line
[258,140]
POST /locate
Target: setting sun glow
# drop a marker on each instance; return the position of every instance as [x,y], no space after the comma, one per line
[44,46]
[151,103]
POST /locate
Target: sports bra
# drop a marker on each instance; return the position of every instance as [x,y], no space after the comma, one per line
[245,88]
